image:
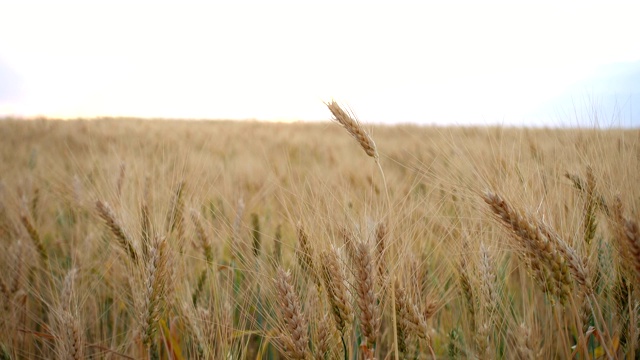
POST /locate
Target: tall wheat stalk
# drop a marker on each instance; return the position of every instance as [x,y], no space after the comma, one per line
[355,129]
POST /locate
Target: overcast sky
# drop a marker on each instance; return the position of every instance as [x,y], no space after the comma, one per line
[480,62]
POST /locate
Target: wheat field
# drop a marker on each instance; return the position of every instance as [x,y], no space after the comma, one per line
[137,239]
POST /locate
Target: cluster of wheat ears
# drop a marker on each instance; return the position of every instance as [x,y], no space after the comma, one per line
[432,259]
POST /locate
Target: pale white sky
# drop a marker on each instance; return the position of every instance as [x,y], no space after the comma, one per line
[428,62]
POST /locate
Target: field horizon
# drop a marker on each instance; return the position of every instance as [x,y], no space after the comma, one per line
[595,124]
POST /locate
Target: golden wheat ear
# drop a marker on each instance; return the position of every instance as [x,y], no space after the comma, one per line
[109,217]
[296,340]
[627,240]
[366,296]
[354,128]
[335,284]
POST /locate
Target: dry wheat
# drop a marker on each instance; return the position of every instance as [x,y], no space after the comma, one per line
[354,128]
[105,212]
[336,289]
[366,294]
[296,339]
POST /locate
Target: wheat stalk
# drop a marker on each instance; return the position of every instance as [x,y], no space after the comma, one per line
[355,129]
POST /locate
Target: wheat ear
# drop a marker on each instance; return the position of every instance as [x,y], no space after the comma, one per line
[35,237]
[174,216]
[467,286]
[628,246]
[146,229]
[335,284]
[628,240]
[323,338]
[354,128]
[381,250]
[109,217]
[70,342]
[304,254]
[411,316]
[156,286]
[366,296]
[297,339]
[540,252]
[524,347]
[547,250]
[488,290]
[205,243]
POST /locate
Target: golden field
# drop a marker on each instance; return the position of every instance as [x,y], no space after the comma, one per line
[131,239]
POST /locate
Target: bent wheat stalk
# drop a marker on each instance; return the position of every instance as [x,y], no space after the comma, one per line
[355,129]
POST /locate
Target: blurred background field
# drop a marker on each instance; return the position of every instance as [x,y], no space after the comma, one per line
[162,239]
